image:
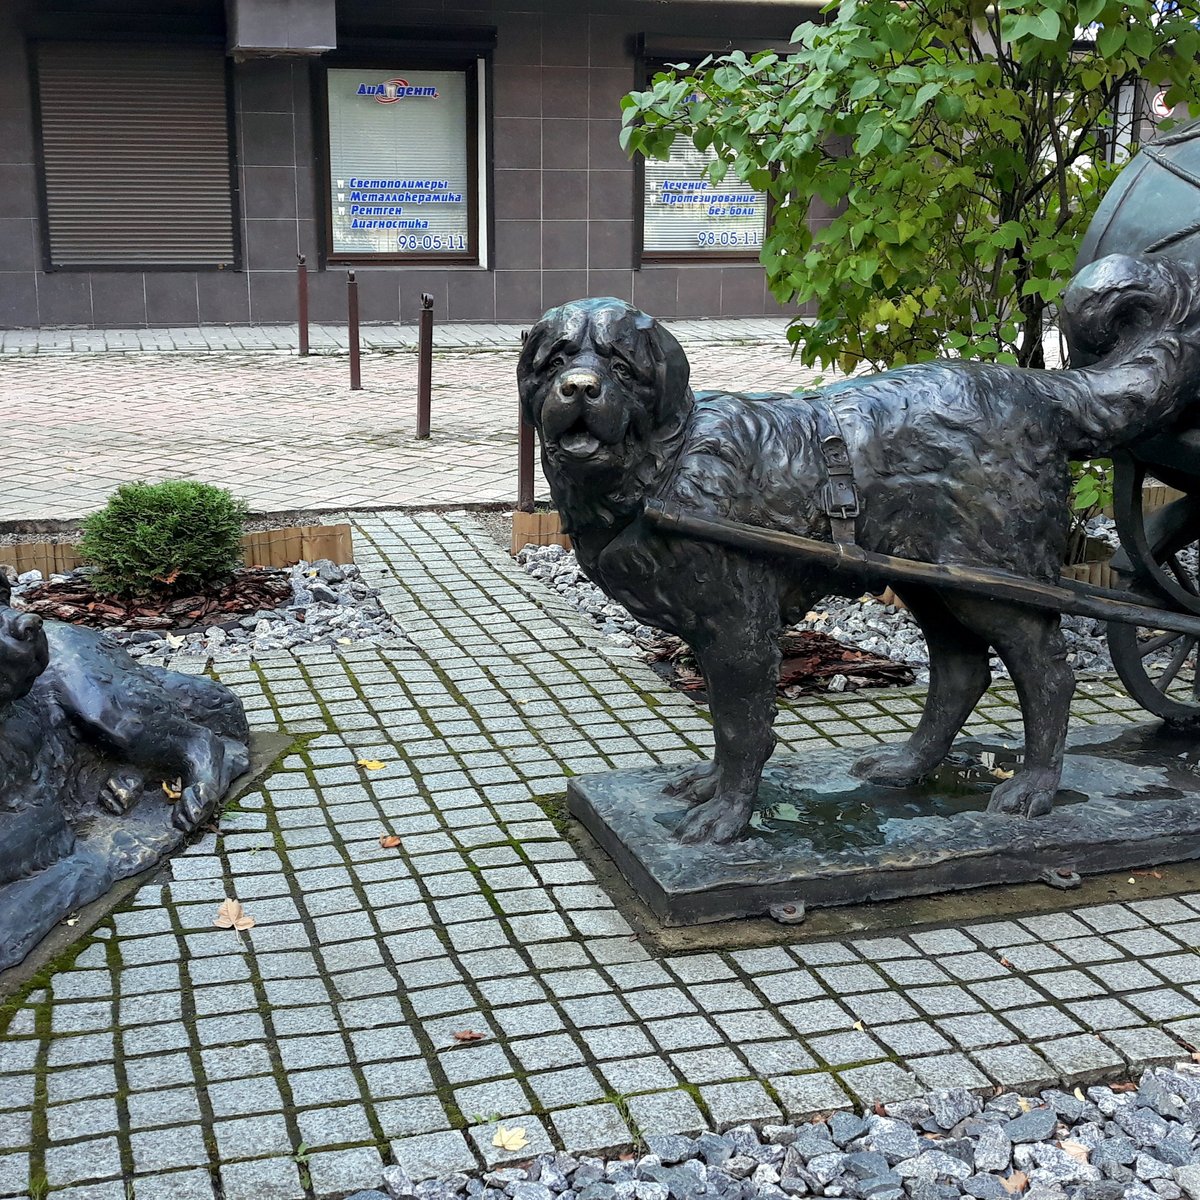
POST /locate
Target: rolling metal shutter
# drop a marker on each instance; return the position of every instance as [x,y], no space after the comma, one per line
[135,149]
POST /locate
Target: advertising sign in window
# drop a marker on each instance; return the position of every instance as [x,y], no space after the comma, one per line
[400,166]
[686,215]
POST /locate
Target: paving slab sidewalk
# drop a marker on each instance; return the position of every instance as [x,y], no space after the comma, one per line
[284,432]
[297,1059]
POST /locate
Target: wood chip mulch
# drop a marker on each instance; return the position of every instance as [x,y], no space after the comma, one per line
[249,591]
[809,661]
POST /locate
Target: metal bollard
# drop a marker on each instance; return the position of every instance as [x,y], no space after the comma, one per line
[424,365]
[525,466]
[302,302]
[524,455]
[352,332]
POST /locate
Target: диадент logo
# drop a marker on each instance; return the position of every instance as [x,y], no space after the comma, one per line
[392,90]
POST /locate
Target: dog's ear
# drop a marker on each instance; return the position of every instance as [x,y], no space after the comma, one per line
[669,364]
[529,363]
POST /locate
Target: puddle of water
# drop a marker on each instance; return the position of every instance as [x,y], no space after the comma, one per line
[850,814]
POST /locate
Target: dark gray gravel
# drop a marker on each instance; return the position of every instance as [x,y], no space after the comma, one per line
[330,605]
[1095,1145]
[864,623]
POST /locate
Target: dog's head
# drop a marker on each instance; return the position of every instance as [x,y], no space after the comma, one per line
[605,385]
[24,651]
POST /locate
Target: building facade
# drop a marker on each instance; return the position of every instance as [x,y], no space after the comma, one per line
[165,163]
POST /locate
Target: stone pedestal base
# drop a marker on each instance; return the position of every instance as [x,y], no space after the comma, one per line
[1130,798]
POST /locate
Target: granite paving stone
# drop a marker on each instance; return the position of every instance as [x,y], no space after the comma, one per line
[262,1179]
[332,1024]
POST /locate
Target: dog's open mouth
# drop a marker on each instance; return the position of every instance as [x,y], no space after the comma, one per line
[578,443]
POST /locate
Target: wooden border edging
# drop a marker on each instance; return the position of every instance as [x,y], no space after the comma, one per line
[262,548]
[537,529]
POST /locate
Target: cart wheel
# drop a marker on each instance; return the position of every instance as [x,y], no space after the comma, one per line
[1158,549]
[1159,670]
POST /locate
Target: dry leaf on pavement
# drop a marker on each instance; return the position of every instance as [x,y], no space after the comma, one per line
[510,1139]
[371,764]
[1015,1183]
[469,1035]
[389,841]
[231,915]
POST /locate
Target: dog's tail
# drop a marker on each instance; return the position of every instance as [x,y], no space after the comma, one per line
[1132,326]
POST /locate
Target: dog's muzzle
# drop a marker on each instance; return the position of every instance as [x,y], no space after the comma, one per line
[565,414]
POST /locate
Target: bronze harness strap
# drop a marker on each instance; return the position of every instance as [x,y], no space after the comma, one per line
[839,497]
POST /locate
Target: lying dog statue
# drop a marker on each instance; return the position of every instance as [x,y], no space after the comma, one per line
[954,462]
[88,739]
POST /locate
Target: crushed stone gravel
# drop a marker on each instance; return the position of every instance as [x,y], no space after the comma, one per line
[1116,1142]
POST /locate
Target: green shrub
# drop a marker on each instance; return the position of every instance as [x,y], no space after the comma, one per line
[177,536]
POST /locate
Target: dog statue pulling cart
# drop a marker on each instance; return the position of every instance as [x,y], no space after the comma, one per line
[723,516]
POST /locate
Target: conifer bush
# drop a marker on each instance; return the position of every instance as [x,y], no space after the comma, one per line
[179,536]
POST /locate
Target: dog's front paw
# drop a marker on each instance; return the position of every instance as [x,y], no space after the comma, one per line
[1027,794]
[890,766]
[695,785]
[717,821]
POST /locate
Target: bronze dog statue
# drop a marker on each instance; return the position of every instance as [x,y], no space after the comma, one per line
[954,462]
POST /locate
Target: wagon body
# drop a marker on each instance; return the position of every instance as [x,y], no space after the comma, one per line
[1154,208]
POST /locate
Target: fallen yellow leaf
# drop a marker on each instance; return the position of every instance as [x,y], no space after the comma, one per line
[510,1139]
[859,1026]
[231,915]
[371,764]
[1023,1104]
[170,792]
[1000,773]
[1079,1095]
[1015,1183]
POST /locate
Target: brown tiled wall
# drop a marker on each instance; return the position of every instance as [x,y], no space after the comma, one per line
[562,198]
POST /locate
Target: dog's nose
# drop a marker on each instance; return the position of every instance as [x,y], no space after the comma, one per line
[579,382]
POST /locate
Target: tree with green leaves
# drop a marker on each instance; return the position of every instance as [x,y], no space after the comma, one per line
[963,147]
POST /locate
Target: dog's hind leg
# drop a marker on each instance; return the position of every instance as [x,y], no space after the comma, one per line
[1034,651]
[958,676]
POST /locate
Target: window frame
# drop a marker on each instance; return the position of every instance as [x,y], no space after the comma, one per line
[648,66]
[468,63]
[147,36]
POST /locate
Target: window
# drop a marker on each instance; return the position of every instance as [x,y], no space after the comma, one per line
[136,168]
[403,164]
[685,216]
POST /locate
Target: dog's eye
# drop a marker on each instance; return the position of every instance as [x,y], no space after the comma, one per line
[621,370]
[558,362]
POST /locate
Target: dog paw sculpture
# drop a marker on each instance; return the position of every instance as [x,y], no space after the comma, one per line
[92,748]
[939,464]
